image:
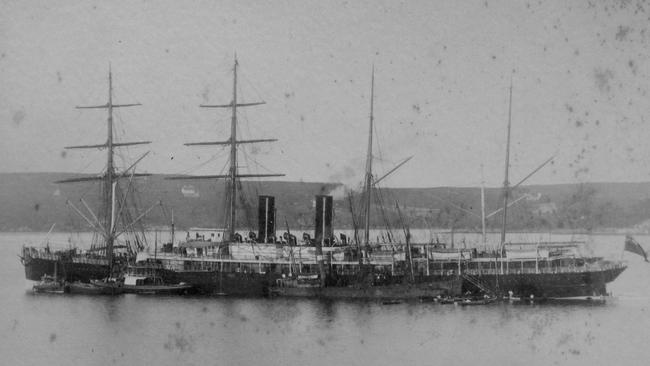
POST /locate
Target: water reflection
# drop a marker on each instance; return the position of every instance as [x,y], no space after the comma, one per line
[324,312]
[111,306]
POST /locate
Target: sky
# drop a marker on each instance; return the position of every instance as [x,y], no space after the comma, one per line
[579,72]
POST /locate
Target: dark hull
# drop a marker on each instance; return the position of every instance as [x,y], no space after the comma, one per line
[541,285]
[550,285]
[402,291]
[157,289]
[218,283]
[256,284]
[67,269]
[91,289]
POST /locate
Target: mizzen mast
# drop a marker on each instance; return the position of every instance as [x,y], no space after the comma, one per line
[506,188]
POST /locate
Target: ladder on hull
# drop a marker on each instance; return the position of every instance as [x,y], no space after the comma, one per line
[478,283]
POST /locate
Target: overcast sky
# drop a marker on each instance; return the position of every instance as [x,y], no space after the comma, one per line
[442,72]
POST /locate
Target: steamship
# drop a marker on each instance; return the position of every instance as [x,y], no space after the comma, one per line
[259,263]
[117,236]
[547,270]
[369,270]
[541,270]
[226,262]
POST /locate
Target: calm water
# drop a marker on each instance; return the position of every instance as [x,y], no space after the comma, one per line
[132,329]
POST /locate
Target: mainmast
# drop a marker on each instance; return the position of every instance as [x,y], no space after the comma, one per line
[506,189]
[109,188]
[108,224]
[233,155]
[233,173]
[368,178]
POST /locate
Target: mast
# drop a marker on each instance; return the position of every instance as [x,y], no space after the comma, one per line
[172,227]
[110,177]
[232,142]
[233,156]
[109,197]
[110,168]
[505,181]
[368,178]
[290,249]
[483,232]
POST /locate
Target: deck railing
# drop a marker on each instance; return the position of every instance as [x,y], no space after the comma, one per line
[598,267]
[44,254]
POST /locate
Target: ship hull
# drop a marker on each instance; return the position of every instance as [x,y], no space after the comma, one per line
[81,288]
[550,285]
[403,291]
[264,284]
[223,283]
[66,268]
[539,285]
[179,289]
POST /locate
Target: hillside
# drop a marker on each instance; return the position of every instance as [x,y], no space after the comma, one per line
[32,202]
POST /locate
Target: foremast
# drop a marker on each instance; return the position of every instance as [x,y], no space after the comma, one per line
[369,180]
[368,176]
[233,174]
[107,224]
[506,183]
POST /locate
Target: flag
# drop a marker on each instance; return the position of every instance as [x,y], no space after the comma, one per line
[633,246]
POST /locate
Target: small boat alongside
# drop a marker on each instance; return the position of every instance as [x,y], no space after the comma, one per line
[49,284]
[391,302]
[447,300]
[598,299]
[477,301]
[146,278]
[97,287]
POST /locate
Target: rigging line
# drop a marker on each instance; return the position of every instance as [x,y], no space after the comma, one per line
[380,155]
[250,85]
[220,125]
[244,123]
[201,165]
[91,161]
[247,206]
[247,157]
[222,77]
[122,202]
[380,200]
[257,182]
[121,90]
[226,207]
[128,225]
[86,190]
